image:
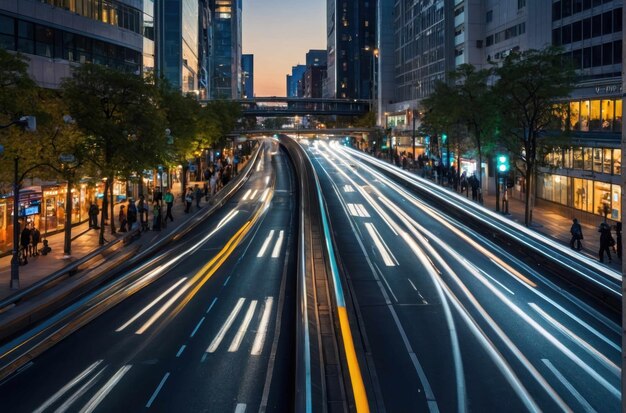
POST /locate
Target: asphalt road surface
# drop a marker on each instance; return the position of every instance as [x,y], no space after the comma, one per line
[213,334]
[451,322]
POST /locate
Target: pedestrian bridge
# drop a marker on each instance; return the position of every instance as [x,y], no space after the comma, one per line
[288,107]
[306,132]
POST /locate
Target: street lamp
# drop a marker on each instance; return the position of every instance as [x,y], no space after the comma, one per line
[29,123]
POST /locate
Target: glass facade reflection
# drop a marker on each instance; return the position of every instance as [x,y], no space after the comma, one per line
[113,12]
[177,43]
[227,72]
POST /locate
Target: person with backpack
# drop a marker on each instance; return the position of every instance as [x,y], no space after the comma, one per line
[577,235]
[606,241]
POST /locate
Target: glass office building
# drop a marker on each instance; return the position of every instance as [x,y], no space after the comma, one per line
[55,34]
[226,53]
[177,43]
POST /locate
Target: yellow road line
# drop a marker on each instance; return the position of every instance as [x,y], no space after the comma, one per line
[358,387]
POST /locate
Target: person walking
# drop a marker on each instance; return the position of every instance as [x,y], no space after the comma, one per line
[93,215]
[132,214]
[156,216]
[122,218]
[606,241]
[24,243]
[198,195]
[188,200]
[35,237]
[142,210]
[169,203]
[577,234]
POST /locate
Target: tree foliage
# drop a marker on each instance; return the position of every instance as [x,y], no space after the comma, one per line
[529,87]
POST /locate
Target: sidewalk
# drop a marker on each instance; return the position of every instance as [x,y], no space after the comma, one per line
[85,240]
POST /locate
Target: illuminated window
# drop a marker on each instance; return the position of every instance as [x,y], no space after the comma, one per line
[584,116]
[583,194]
[607,114]
[574,115]
[595,122]
[617,124]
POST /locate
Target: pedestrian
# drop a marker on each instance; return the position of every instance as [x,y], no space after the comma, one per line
[213,183]
[577,235]
[35,237]
[236,164]
[169,203]
[24,243]
[606,241]
[132,214]
[93,215]
[142,210]
[156,216]
[122,218]
[198,195]
[188,200]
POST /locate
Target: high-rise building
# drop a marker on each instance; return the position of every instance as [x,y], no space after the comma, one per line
[226,50]
[55,38]
[177,43]
[247,68]
[350,47]
[313,81]
[295,81]
[316,58]
[205,43]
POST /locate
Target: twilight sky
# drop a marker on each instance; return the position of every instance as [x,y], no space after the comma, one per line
[279,33]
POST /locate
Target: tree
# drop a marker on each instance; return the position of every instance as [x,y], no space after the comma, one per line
[119,115]
[529,87]
[16,87]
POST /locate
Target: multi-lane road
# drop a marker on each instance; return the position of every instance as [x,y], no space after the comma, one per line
[213,333]
[451,321]
[448,320]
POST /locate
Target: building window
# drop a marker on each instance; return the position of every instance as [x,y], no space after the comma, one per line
[617,123]
[556,10]
[489,17]
[521,4]
[7,32]
[607,115]
[595,122]
[574,115]
[583,194]
[25,37]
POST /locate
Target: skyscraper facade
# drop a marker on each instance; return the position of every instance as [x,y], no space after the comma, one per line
[226,51]
[247,67]
[316,58]
[295,81]
[177,43]
[54,38]
[205,44]
[350,48]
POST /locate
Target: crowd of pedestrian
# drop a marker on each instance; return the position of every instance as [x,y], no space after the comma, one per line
[30,238]
[608,244]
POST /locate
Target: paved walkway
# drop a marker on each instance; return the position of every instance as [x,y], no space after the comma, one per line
[85,241]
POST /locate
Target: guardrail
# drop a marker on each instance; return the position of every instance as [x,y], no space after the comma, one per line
[317,343]
[595,280]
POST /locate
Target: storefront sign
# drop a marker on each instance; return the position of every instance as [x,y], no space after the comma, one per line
[608,89]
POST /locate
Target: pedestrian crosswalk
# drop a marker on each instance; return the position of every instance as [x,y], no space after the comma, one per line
[256,315]
[277,245]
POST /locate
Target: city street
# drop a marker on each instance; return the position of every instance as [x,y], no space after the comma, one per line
[211,330]
[452,321]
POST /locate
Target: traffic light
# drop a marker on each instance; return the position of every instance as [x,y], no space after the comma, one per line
[444,138]
[502,163]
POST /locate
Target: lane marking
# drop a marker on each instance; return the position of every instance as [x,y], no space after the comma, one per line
[412,285]
[56,396]
[253,194]
[105,390]
[163,309]
[259,340]
[279,243]
[152,304]
[225,327]
[204,356]
[79,393]
[266,243]
[234,345]
[211,306]
[492,279]
[353,210]
[241,408]
[586,406]
[247,194]
[158,389]
[264,195]
[227,280]
[382,248]
[180,351]
[348,188]
[362,211]
[582,343]
[195,330]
